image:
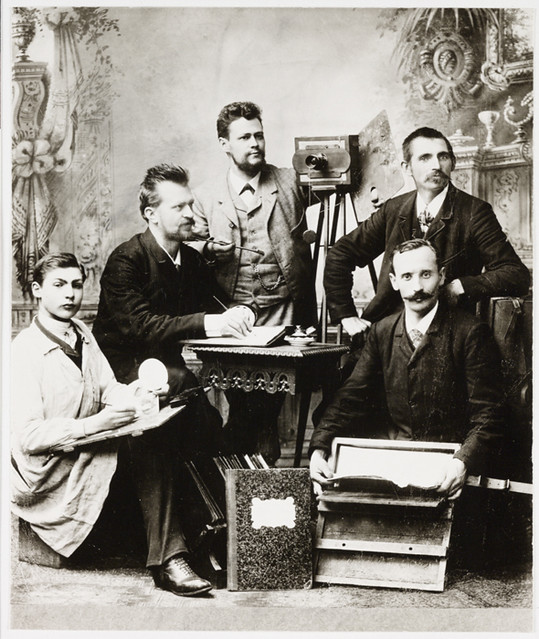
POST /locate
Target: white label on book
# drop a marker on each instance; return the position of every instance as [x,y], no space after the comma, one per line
[273,512]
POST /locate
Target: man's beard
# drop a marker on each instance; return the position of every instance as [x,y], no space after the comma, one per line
[249,167]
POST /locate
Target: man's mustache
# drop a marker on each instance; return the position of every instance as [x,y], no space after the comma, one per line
[440,174]
[419,297]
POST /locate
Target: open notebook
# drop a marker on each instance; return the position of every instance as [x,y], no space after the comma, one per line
[259,336]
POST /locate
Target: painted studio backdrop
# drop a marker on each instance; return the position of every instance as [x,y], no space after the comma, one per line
[101,94]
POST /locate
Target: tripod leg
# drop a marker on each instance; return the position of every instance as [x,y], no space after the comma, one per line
[319,229]
[335,222]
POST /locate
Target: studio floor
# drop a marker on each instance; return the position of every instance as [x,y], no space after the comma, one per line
[121,596]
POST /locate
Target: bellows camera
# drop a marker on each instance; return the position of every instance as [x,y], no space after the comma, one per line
[327,162]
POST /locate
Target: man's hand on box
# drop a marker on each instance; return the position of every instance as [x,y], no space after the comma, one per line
[455,476]
[319,470]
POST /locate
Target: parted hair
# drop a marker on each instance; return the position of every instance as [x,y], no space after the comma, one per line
[425,132]
[235,111]
[410,245]
[55,260]
[147,194]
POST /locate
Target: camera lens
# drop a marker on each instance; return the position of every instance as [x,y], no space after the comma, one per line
[317,161]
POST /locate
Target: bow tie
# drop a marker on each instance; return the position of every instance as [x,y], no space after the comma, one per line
[247,188]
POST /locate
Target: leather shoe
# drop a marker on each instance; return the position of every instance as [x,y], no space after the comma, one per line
[177,576]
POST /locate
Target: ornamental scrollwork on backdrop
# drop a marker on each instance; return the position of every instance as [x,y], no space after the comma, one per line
[49,115]
[509,50]
[506,185]
[448,65]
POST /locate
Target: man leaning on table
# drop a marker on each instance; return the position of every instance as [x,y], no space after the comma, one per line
[156,291]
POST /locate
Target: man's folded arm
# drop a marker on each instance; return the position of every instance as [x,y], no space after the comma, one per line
[504,273]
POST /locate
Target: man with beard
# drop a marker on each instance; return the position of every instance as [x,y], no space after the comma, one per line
[429,372]
[478,259]
[258,206]
[156,291]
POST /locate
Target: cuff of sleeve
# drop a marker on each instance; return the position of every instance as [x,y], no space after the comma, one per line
[79,428]
[212,325]
[472,462]
[325,450]
[458,285]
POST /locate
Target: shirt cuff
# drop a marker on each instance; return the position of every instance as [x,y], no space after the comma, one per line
[458,286]
[79,428]
[212,324]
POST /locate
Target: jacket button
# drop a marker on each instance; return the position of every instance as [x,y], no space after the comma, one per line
[231,225]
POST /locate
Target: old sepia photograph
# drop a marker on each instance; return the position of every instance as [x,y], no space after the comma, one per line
[267,317]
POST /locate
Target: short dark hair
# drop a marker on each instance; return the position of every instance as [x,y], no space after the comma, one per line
[425,132]
[235,111]
[411,245]
[147,194]
[55,260]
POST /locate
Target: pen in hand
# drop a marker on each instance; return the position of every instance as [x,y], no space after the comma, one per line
[221,303]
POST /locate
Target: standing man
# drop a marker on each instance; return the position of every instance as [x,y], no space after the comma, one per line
[430,372]
[478,259]
[258,206]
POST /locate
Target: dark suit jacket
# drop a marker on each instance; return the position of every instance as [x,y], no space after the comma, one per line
[215,216]
[465,234]
[145,306]
[448,390]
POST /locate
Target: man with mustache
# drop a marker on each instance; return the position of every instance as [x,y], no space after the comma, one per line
[258,206]
[429,372]
[478,259]
[156,291]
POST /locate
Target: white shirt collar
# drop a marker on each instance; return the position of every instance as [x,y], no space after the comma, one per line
[434,206]
[237,183]
[175,260]
[424,323]
[54,326]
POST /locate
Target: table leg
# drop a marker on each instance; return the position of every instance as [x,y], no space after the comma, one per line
[305,402]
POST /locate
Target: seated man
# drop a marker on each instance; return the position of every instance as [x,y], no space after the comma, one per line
[64,388]
[430,372]
[156,291]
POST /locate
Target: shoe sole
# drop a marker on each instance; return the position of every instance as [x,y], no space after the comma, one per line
[186,594]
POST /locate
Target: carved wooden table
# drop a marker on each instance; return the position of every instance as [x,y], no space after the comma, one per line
[297,370]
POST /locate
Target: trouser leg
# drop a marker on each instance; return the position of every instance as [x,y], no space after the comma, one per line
[153,465]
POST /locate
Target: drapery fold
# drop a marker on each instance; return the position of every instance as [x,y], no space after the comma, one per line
[33,212]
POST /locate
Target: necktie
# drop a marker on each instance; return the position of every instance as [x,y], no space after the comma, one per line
[425,218]
[247,195]
[415,337]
